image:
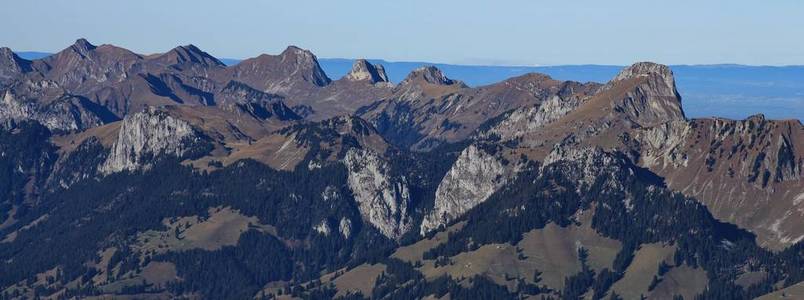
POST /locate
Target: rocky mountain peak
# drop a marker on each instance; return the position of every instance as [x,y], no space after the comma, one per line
[645,69]
[362,70]
[189,54]
[7,54]
[756,118]
[649,94]
[428,74]
[296,50]
[305,61]
[293,69]
[82,46]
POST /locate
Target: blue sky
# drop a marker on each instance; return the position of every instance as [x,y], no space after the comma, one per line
[521,32]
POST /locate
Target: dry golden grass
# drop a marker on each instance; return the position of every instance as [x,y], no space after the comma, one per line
[278,151]
[159,273]
[684,280]
[102,265]
[414,252]
[223,228]
[750,278]
[551,250]
[639,274]
[495,261]
[360,279]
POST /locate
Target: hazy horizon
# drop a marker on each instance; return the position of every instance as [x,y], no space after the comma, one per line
[511,33]
[36,54]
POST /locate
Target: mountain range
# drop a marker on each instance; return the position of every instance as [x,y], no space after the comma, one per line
[175,175]
[723,90]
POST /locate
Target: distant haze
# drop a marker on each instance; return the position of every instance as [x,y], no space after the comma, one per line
[514,32]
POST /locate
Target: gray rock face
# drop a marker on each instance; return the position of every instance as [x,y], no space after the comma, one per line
[664,145]
[474,177]
[654,100]
[526,119]
[11,66]
[588,165]
[65,113]
[322,228]
[145,135]
[362,70]
[345,228]
[383,200]
[645,69]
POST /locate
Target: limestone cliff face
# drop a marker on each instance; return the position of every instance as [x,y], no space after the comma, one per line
[474,177]
[345,227]
[66,113]
[526,119]
[383,200]
[664,145]
[587,165]
[654,99]
[144,136]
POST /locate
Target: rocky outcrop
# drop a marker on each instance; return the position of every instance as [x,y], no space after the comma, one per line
[66,113]
[322,228]
[664,145]
[304,63]
[474,177]
[526,119]
[362,70]
[383,199]
[345,227]
[653,98]
[586,165]
[146,135]
[428,74]
[11,66]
